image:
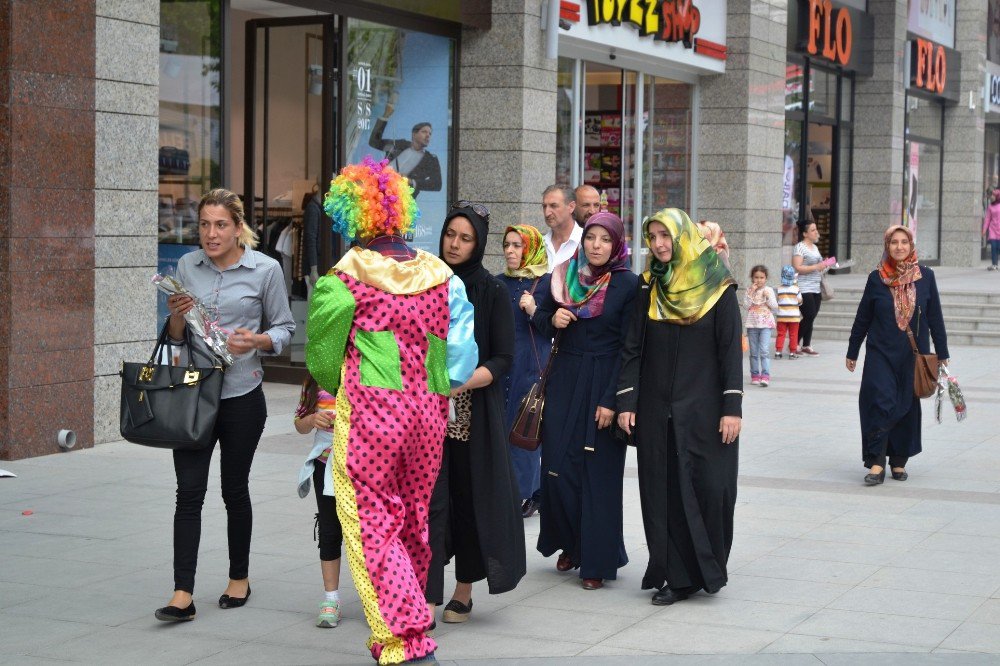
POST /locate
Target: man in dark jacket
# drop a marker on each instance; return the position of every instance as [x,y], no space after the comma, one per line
[409,157]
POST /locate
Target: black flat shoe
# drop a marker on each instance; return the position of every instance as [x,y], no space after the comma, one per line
[226,601]
[900,476]
[175,614]
[875,479]
[666,597]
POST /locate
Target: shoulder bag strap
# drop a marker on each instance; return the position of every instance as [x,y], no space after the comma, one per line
[909,334]
[531,334]
[545,373]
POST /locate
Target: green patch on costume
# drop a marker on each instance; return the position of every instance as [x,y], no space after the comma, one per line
[436,364]
[330,315]
[379,359]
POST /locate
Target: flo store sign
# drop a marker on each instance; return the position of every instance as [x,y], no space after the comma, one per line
[835,34]
[934,69]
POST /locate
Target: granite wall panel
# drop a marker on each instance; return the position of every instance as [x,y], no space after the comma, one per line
[126,182]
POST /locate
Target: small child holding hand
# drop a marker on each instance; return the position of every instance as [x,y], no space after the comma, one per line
[316,412]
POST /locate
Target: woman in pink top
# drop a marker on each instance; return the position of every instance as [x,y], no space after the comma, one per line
[991,230]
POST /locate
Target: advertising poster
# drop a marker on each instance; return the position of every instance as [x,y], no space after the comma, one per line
[400,109]
[912,188]
[933,20]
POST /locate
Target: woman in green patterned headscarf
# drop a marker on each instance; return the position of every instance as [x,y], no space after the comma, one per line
[687,285]
[680,390]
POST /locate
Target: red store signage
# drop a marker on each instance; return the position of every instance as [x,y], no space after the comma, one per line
[829,32]
[930,63]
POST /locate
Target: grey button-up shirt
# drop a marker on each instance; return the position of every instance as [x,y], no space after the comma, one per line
[244,295]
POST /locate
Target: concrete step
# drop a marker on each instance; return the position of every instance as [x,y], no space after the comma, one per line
[951,309]
[955,337]
[968,324]
[954,297]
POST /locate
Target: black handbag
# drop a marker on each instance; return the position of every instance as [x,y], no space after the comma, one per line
[171,407]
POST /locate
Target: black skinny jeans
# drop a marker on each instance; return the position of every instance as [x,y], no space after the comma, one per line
[238,428]
[809,309]
[331,534]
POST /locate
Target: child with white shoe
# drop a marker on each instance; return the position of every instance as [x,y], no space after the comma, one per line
[316,412]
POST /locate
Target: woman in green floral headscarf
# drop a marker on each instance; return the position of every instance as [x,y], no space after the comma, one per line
[681,390]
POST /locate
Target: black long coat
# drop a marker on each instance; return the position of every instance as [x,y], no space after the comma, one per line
[680,381]
[496,500]
[890,412]
[583,467]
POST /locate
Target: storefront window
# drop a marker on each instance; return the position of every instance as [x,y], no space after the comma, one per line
[566,127]
[190,122]
[602,132]
[823,93]
[922,163]
[399,106]
[790,188]
[668,145]
[818,141]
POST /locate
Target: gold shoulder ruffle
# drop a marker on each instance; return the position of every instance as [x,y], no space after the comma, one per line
[395,277]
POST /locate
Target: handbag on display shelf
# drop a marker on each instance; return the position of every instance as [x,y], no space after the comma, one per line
[925,367]
[526,432]
[171,407]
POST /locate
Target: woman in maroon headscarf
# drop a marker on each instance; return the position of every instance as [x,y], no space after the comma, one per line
[900,295]
[590,305]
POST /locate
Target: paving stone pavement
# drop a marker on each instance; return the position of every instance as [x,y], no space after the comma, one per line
[823,571]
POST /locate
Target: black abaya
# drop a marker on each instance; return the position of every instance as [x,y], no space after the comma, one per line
[680,380]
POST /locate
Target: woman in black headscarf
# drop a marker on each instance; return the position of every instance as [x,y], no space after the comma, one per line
[475,512]
[590,302]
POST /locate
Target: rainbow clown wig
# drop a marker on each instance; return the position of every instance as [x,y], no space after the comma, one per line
[370,199]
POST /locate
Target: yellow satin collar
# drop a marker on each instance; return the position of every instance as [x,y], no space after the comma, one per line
[395,277]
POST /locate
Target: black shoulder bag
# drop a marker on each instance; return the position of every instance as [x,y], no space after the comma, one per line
[171,407]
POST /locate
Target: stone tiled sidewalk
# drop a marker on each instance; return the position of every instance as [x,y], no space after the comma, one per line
[823,570]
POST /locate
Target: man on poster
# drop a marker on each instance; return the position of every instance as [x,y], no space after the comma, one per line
[409,157]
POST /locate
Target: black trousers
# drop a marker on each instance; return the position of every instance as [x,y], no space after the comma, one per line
[809,308]
[331,535]
[237,430]
[894,461]
[452,523]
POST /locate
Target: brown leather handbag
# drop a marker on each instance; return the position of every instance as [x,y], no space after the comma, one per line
[925,368]
[526,433]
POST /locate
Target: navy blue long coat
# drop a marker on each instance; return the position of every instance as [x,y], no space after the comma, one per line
[583,467]
[890,412]
[531,353]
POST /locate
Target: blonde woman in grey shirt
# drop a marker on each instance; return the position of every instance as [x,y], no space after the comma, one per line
[245,288]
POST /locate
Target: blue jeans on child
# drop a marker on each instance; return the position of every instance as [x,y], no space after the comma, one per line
[760,347]
[994,250]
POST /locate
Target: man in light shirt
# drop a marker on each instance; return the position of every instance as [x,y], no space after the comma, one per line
[564,236]
[588,202]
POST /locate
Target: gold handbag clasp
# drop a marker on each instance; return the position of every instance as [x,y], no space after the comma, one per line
[146,373]
[191,377]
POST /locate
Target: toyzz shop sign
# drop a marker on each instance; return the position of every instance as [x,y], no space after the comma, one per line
[665,20]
